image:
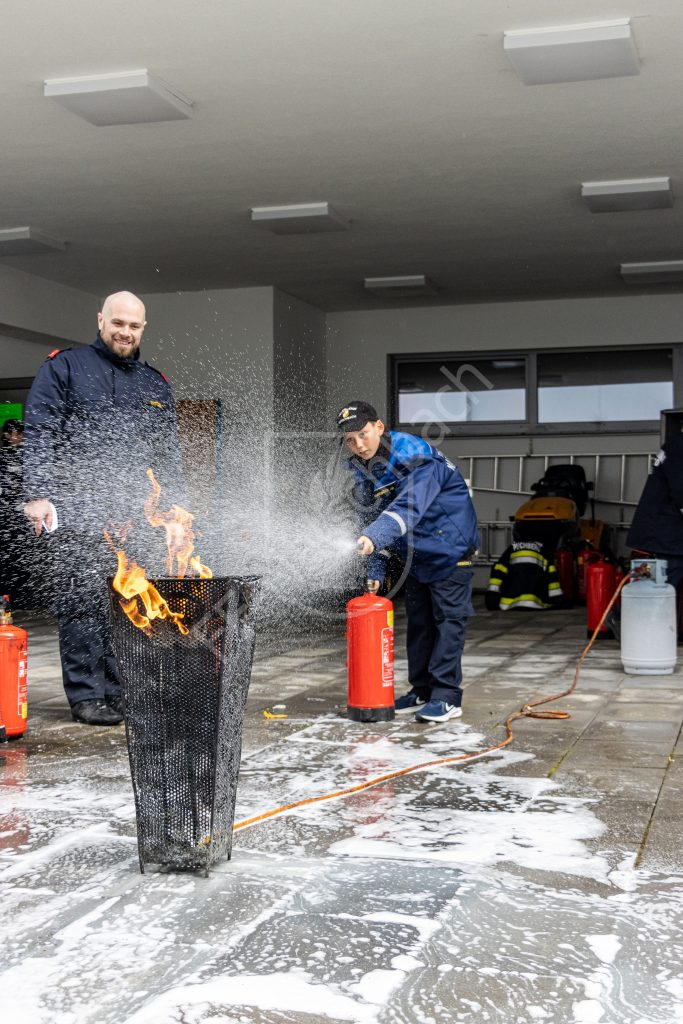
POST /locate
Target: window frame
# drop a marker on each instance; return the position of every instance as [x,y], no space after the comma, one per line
[529,426]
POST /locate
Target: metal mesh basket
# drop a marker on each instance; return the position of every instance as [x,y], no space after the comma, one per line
[184,699]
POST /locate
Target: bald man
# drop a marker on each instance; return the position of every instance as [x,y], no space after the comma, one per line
[97,417]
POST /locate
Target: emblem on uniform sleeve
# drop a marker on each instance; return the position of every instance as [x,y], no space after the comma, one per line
[661,457]
[157,405]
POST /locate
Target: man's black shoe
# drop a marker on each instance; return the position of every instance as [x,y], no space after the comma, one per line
[115,703]
[95,712]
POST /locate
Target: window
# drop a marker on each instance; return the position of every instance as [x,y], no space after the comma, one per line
[604,387]
[462,391]
[621,389]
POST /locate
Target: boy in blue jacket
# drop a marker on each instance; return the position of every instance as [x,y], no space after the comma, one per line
[415,503]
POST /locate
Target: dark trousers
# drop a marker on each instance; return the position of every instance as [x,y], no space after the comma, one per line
[89,669]
[437,615]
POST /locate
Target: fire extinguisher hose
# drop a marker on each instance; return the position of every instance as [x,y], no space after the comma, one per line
[526,711]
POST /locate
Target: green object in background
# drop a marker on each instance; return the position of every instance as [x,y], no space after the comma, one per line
[10,411]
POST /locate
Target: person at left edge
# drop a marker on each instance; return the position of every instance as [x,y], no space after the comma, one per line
[96,419]
[15,547]
[415,503]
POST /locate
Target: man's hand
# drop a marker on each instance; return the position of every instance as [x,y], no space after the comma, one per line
[39,512]
[365,546]
[372,586]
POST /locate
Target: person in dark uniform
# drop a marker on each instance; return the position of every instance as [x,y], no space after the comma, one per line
[97,418]
[415,503]
[657,525]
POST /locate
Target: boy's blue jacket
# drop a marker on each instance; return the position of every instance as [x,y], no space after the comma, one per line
[416,504]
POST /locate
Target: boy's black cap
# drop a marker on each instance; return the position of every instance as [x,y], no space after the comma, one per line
[9,425]
[355,415]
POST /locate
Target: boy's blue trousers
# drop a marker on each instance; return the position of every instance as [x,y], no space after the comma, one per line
[437,615]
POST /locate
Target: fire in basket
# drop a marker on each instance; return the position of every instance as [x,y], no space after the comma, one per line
[184,645]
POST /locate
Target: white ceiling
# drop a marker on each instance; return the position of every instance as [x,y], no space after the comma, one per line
[406,117]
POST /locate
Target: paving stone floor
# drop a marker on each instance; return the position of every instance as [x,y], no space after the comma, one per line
[540,883]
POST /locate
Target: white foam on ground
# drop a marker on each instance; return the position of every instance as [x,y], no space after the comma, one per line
[605,947]
[548,839]
[98,964]
[287,993]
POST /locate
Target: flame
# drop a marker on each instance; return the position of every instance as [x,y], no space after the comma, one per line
[131,580]
[179,534]
[202,571]
[178,525]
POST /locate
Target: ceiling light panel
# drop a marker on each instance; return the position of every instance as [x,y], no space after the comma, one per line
[400,287]
[658,272]
[298,219]
[25,241]
[125,97]
[627,194]
[573,53]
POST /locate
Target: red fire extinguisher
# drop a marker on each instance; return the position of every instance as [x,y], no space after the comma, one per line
[370,645]
[584,559]
[600,586]
[564,563]
[13,701]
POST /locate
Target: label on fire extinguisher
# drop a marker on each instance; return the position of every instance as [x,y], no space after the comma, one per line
[390,617]
[388,657]
[22,709]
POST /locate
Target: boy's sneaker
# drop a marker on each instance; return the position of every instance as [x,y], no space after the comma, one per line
[408,702]
[438,711]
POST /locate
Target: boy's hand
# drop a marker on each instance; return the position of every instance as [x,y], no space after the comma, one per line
[365,546]
[372,586]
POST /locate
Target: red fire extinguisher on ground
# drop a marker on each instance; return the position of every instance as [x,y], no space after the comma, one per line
[583,560]
[370,646]
[13,659]
[564,563]
[601,582]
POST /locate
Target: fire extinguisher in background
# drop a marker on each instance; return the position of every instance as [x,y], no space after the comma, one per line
[601,582]
[370,647]
[564,563]
[13,662]
[583,560]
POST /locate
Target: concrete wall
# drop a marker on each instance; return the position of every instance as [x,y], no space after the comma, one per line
[48,311]
[22,358]
[216,344]
[262,354]
[260,351]
[299,364]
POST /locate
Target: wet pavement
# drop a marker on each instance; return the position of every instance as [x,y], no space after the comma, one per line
[543,882]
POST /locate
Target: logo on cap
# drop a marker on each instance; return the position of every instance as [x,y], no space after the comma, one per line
[345,413]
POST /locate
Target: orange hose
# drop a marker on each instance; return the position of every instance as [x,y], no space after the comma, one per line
[526,711]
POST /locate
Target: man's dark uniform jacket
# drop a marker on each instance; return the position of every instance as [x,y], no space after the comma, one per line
[95,423]
[657,524]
